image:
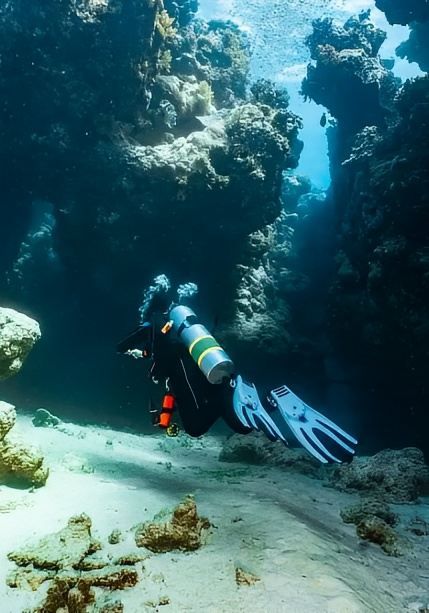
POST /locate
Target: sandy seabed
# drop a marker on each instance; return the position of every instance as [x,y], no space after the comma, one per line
[282,527]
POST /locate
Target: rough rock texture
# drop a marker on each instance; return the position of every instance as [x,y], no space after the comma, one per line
[398,11]
[368,507]
[377,310]
[346,72]
[255,448]
[21,465]
[374,529]
[64,549]
[245,578]
[44,419]
[7,418]
[18,334]
[374,522]
[217,52]
[416,48]
[129,148]
[414,13]
[391,476]
[184,532]
[68,563]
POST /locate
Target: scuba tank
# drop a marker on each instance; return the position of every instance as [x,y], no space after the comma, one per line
[211,359]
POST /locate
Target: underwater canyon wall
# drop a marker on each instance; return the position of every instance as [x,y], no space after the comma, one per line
[378,309]
[130,147]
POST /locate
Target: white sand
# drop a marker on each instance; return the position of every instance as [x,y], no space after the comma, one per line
[284,528]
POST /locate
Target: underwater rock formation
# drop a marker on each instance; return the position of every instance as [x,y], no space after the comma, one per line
[18,334]
[255,448]
[7,418]
[346,73]
[416,48]
[20,464]
[377,313]
[136,146]
[66,561]
[66,548]
[414,13]
[375,530]
[184,532]
[368,507]
[44,419]
[398,11]
[392,476]
[245,578]
[375,522]
[217,52]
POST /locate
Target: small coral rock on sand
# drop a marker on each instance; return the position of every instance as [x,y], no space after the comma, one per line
[244,578]
[184,532]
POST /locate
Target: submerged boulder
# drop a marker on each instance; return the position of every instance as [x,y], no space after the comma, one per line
[21,465]
[255,448]
[18,334]
[392,475]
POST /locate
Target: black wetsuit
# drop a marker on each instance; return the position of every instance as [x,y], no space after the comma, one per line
[199,402]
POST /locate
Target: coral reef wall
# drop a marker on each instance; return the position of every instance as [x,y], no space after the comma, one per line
[129,120]
[378,314]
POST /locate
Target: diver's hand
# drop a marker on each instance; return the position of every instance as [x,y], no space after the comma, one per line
[250,412]
[135,353]
[306,424]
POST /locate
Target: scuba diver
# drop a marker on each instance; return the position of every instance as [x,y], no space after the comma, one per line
[201,382]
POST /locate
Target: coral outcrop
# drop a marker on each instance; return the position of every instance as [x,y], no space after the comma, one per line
[151,135]
[415,14]
[18,335]
[77,580]
[346,72]
[404,13]
[185,531]
[255,448]
[7,418]
[44,419]
[376,319]
[390,475]
[21,465]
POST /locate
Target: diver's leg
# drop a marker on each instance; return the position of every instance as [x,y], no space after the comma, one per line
[229,416]
[197,408]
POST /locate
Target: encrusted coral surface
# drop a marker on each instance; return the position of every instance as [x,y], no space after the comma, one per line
[66,562]
[142,129]
[377,310]
[18,334]
[390,475]
[185,531]
[255,448]
[7,418]
[21,464]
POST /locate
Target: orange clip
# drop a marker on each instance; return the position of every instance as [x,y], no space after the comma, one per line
[167,327]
